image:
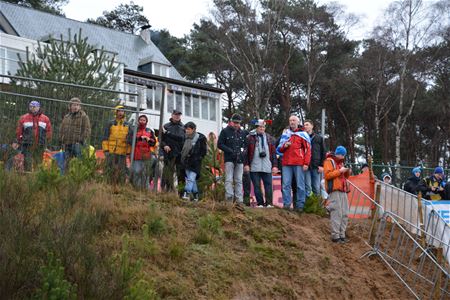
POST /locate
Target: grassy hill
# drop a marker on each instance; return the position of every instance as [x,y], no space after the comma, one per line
[74,239]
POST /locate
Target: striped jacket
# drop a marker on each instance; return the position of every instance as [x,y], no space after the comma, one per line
[34,129]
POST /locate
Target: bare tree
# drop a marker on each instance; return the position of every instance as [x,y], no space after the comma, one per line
[408,25]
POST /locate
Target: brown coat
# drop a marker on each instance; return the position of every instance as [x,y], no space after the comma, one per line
[75,128]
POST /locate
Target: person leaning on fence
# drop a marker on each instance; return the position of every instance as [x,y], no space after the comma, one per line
[232,141]
[172,140]
[412,183]
[75,130]
[261,161]
[386,177]
[313,175]
[33,132]
[116,146]
[337,188]
[432,187]
[193,151]
[142,166]
[296,148]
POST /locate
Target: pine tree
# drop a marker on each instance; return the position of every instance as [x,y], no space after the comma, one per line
[211,182]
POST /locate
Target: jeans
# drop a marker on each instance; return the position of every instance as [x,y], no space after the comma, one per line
[233,175]
[289,172]
[191,182]
[312,181]
[71,150]
[141,172]
[267,181]
[116,165]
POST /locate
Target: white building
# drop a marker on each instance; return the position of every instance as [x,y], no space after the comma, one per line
[142,64]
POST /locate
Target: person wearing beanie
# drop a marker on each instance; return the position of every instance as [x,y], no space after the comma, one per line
[141,168]
[116,146]
[232,141]
[193,151]
[75,130]
[261,162]
[412,183]
[336,184]
[386,177]
[33,132]
[432,187]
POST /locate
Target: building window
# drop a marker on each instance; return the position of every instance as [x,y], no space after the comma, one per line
[212,109]
[9,62]
[131,88]
[158,96]
[179,101]
[204,108]
[149,97]
[187,105]
[170,101]
[160,70]
[196,106]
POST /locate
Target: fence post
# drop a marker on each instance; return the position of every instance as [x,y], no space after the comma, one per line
[437,288]
[420,212]
[374,215]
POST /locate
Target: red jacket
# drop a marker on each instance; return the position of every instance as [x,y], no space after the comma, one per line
[143,148]
[34,129]
[298,153]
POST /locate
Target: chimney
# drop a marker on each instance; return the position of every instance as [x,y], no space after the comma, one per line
[146,34]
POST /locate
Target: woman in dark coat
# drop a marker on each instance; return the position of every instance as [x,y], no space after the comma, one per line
[192,154]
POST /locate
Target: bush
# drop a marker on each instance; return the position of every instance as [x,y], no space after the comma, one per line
[313,205]
[156,223]
[141,290]
[54,286]
[208,226]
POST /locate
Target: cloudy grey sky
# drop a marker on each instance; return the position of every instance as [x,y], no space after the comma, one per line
[178,15]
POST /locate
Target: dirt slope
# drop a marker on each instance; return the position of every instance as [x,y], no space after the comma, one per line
[214,251]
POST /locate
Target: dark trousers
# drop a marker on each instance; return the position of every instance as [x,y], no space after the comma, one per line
[172,167]
[116,166]
[32,156]
[71,151]
[267,182]
[247,185]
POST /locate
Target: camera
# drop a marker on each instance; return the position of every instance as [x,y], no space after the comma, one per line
[262,154]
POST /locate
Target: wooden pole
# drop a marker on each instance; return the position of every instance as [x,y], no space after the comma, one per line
[374,216]
[421,225]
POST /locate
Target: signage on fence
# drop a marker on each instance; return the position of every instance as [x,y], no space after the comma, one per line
[442,207]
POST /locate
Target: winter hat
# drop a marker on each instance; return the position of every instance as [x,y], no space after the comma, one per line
[384,175]
[439,170]
[236,118]
[340,150]
[34,104]
[416,170]
[75,100]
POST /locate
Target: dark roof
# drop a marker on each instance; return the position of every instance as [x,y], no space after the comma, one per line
[174,81]
[37,25]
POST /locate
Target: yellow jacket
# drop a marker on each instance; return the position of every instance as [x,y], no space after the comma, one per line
[115,138]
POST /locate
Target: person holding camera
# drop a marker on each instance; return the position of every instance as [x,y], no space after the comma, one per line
[261,161]
[232,141]
[141,168]
[337,187]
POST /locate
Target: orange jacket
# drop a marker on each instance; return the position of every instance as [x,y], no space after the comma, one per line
[334,179]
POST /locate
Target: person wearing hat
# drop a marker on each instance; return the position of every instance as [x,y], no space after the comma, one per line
[193,151]
[336,175]
[364,168]
[432,187]
[116,146]
[75,130]
[295,145]
[142,166]
[412,183]
[33,132]
[172,140]
[232,141]
[261,162]
[386,177]
[8,154]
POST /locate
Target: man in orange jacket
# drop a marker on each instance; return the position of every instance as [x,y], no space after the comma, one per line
[336,185]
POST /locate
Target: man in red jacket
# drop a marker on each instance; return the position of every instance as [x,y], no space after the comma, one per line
[33,132]
[295,145]
[141,169]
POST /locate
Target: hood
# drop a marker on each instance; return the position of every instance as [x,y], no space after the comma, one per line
[146,121]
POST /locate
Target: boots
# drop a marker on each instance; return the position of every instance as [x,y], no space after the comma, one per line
[195,197]
[185,196]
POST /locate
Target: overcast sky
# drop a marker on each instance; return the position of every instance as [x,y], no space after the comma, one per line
[178,15]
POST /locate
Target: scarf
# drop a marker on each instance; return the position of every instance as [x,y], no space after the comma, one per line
[189,143]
